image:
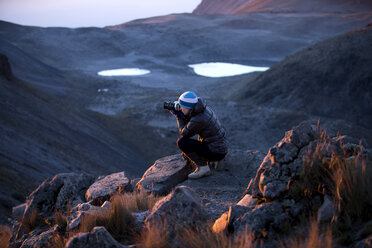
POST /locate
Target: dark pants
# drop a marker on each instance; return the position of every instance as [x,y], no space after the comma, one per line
[190,145]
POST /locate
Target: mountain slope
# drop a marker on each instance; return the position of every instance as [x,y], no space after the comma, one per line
[289,6]
[332,78]
[41,135]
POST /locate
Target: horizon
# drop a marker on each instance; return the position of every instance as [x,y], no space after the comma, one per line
[84,13]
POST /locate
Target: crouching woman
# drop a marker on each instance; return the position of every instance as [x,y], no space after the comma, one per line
[196,118]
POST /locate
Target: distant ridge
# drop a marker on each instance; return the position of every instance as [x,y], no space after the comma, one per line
[364,7]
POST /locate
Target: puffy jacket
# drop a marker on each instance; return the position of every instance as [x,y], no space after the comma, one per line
[203,122]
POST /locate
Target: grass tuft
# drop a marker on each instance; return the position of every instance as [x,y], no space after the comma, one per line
[60,219]
[315,238]
[118,220]
[33,221]
[154,236]
[158,236]
[5,236]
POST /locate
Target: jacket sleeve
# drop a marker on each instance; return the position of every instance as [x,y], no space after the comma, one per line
[190,129]
[181,124]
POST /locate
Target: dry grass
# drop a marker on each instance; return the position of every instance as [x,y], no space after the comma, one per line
[138,201]
[194,238]
[118,220]
[315,238]
[5,236]
[347,179]
[154,236]
[60,219]
[352,184]
[158,236]
[346,176]
[32,221]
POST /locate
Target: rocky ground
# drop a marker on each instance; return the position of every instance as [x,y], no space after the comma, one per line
[248,189]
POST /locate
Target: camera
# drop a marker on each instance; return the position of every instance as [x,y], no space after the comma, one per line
[172,105]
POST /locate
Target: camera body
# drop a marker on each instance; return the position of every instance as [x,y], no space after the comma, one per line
[172,105]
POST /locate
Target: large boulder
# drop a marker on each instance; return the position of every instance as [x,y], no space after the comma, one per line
[82,210]
[181,207]
[103,188]
[242,161]
[283,162]
[41,238]
[58,193]
[164,175]
[268,218]
[99,237]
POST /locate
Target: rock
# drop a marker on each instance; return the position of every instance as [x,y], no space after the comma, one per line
[365,243]
[264,218]
[5,69]
[248,201]
[58,193]
[41,239]
[326,211]
[102,189]
[181,207]
[84,209]
[283,163]
[139,222]
[164,175]
[301,135]
[99,237]
[365,231]
[225,222]
[17,211]
[244,161]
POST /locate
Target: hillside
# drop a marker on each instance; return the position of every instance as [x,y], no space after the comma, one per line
[362,9]
[42,135]
[332,78]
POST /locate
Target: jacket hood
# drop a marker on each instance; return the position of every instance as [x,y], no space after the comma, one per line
[199,107]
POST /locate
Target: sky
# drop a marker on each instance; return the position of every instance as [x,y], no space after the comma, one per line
[88,13]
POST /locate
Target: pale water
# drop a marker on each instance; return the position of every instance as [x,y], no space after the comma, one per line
[124,72]
[218,69]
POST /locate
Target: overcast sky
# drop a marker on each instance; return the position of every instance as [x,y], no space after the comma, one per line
[86,13]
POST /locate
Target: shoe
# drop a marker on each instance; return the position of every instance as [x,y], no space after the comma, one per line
[202,171]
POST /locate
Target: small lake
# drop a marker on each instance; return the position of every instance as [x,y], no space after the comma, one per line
[124,72]
[218,69]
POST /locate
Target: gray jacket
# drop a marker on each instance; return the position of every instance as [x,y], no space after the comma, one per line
[203,122]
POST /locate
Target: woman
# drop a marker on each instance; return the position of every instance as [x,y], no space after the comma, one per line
[196,118]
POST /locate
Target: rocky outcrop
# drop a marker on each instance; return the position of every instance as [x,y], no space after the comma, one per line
[270,207]
[181,207]
[282,163]
[99,237]
[164,175]
[58,193]
[105,187]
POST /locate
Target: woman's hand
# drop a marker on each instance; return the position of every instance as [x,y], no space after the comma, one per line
[177,114]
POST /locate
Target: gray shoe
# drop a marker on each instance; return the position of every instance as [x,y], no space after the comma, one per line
[200,172]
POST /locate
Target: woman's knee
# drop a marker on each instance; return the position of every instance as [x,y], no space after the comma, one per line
[181,143]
